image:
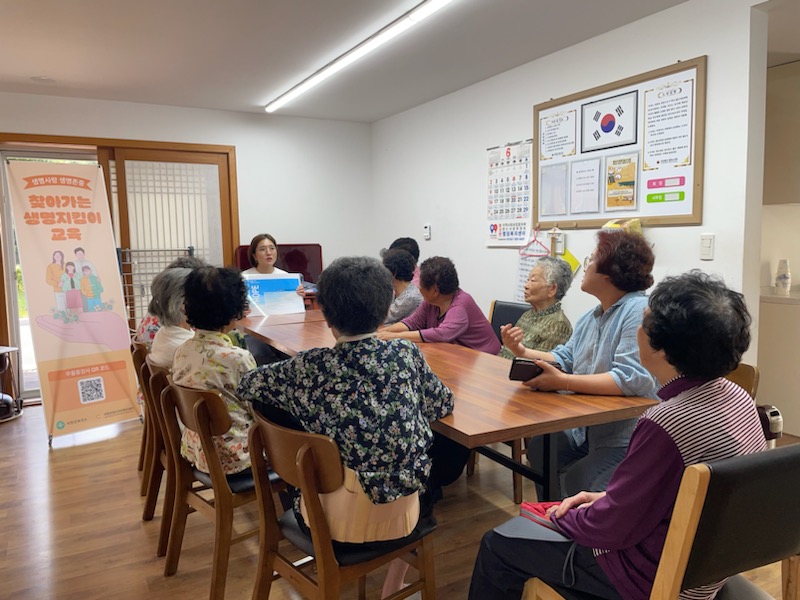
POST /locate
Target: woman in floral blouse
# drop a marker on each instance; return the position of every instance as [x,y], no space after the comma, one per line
[215,299]
[375,398]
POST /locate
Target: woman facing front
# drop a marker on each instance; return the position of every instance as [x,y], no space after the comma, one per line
[375,398]
[215,299]
[263,254]
[693,334]
[545,326]
[600,358]
[53,277]
[447,313]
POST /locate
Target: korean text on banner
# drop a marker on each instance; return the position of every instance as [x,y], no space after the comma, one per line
[74,293]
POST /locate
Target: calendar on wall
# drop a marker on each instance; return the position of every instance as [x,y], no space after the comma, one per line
[509,207]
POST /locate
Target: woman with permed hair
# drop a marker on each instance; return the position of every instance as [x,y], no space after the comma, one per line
[215,298]
[447,313]
[693,334]
[545,325]
[406,295]
[375,398]
[601,358]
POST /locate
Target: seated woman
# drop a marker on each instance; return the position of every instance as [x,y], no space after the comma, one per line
[545,326]
[693,334]
[411,246]
[149,325]
[263,255]
[167,306]
[600,358]
[215,299]
[406,295]
[375,398]
[447,313]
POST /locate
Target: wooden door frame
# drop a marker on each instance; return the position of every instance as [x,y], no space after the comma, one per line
[104,147]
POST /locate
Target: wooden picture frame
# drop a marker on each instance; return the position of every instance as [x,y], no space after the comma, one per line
[657,119]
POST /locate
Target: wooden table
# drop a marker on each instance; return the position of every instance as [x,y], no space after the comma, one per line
[489,408]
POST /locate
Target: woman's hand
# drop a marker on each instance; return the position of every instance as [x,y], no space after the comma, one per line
[580,500]
[301,291]
[512,339]
[549,379]
[383,334]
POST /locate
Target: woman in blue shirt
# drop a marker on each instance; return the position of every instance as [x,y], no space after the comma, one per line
[601,358]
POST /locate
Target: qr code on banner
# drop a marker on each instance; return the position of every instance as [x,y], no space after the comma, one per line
[91,390]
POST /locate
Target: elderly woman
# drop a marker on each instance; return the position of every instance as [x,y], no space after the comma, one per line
[693,334]
[167,306]
[447,313]
[545,326]
[375,398]
[406,295]
[600,358]
[149,325]
[215,299]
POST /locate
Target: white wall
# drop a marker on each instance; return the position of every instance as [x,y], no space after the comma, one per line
[429,163]
[303,180]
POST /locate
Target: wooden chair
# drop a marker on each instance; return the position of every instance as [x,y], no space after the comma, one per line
[139,351]
[730,516]
[501,313]
[204,412]
[312,463]
[746,377]
[162,462]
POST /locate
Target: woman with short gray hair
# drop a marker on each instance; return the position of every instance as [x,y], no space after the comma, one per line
[167,306]
[545,326]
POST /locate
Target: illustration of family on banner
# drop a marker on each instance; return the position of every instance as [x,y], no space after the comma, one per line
[74,294]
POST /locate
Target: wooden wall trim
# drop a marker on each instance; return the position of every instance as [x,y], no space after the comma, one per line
[67,140]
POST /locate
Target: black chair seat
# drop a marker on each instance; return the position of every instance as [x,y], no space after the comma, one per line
[351,554]
[739,588]
[238,482]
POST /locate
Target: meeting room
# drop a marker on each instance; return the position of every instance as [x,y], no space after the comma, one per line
[403,299]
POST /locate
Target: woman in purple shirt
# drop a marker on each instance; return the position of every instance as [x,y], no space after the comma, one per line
[693,334]
[447,313]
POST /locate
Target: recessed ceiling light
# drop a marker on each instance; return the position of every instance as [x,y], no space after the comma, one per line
[42,79]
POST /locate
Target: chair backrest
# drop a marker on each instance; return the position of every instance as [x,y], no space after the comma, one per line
[139,352]
[730,516]
[158,381]
[503,312]
[746,377]
[283,445]
[205,413]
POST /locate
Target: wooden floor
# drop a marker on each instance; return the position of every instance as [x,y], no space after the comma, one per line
[71,528]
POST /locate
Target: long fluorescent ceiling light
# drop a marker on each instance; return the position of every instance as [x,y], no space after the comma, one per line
[408,20]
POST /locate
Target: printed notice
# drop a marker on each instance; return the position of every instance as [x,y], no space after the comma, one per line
[668,114]
[585,193]
[553,189]
[558,134]
[621,184]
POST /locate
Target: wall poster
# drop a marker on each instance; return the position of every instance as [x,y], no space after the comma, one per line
[632,148]
[509,206]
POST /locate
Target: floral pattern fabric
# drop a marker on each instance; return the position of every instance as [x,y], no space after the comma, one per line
[209,361]
[146,332]
[375,398]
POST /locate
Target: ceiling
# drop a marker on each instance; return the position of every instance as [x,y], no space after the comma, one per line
[240,54]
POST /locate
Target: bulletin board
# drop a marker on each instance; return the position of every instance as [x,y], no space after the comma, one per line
[632,148]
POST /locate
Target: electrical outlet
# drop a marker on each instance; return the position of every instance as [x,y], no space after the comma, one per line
[426,231]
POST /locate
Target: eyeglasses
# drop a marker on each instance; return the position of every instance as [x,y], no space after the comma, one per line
[587,261]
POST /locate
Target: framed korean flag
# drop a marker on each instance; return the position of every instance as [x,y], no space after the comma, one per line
[609,122]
